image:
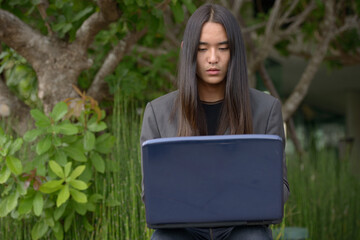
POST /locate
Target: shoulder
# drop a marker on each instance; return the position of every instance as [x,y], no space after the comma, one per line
[257,96]
[162,112]
[165,100]
[261,101]
[165,104]
[265,109]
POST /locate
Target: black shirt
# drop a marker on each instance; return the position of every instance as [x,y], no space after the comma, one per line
[212,113]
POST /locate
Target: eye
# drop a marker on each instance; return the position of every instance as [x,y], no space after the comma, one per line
[202,49]
[224,48]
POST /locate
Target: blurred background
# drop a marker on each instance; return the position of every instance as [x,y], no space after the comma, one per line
[123,54]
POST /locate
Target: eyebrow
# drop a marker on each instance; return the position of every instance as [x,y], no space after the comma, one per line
[220,43]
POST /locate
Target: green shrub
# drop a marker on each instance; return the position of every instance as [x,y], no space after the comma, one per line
[57,184]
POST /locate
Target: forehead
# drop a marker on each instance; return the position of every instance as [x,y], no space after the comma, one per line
[213,33]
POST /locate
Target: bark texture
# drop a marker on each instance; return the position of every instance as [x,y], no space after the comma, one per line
[58,63]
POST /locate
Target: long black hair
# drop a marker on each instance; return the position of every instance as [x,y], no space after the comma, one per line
[236,110]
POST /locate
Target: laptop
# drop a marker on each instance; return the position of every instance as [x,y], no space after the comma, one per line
[213,181]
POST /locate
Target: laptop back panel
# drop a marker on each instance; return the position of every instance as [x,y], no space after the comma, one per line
[211,181]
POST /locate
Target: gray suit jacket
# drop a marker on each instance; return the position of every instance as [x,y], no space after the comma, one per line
[266,114]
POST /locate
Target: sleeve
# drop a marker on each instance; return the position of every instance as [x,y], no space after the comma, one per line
[149,130]
[275,126]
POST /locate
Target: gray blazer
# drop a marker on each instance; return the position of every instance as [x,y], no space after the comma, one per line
[266,114]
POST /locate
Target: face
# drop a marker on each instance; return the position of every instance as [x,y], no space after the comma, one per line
[213,56]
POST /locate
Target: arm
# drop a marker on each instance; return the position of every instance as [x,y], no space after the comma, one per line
[149,131]
[275,126]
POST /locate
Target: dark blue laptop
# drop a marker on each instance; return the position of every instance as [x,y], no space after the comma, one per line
[213,181]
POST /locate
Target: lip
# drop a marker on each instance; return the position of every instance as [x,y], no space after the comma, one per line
[213,71]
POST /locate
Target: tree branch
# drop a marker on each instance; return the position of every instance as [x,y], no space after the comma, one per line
[267,81]
[22,38]
[10,105]
[302,87]
[108,13]
[272,19]
[290,123]
[300,19]
[236,7]
[151,51]
[284,18]
[254,27]
[42,6]
[98,89]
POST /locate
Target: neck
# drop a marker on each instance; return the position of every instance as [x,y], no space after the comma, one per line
[211,93]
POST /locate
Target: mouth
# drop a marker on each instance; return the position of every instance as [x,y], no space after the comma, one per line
[213,71]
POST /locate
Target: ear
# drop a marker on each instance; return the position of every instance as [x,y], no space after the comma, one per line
[182,43]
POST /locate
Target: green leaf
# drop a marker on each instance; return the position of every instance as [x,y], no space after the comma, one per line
[60,157]
[69,139]
[178,12]
[59,111]
[77,172]
[80,208]
[87,225]
[49,220]
[4,174]
[41,120]
[89,141]
[58,231]
[14,164]
[38,204]
[39,230]
[67,169]
[43,145]
[87,175]
[68,221]
[5,148]
[98,162]
[56,141]
[15,146]
[90,206]
[78,184]
[78,196]
[95,197]
[75,154]
[3,207]
[190,6]
[51,186]
[59,211]
[82,13]
[112,202]
[8,187]
[63,195]
[104,143]
[57,169]
[32,134]
[68,129]
[20,188]
[25,205]
[12,202]
[97,127]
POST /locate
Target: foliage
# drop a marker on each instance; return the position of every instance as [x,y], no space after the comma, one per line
[20,76]
[57,185]
[324,195]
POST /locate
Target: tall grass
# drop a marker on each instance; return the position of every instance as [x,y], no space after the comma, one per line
[126,219]
[325,197]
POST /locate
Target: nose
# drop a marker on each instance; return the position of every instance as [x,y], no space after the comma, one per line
[213,57]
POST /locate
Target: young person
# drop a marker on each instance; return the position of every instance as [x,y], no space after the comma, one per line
[213,97]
